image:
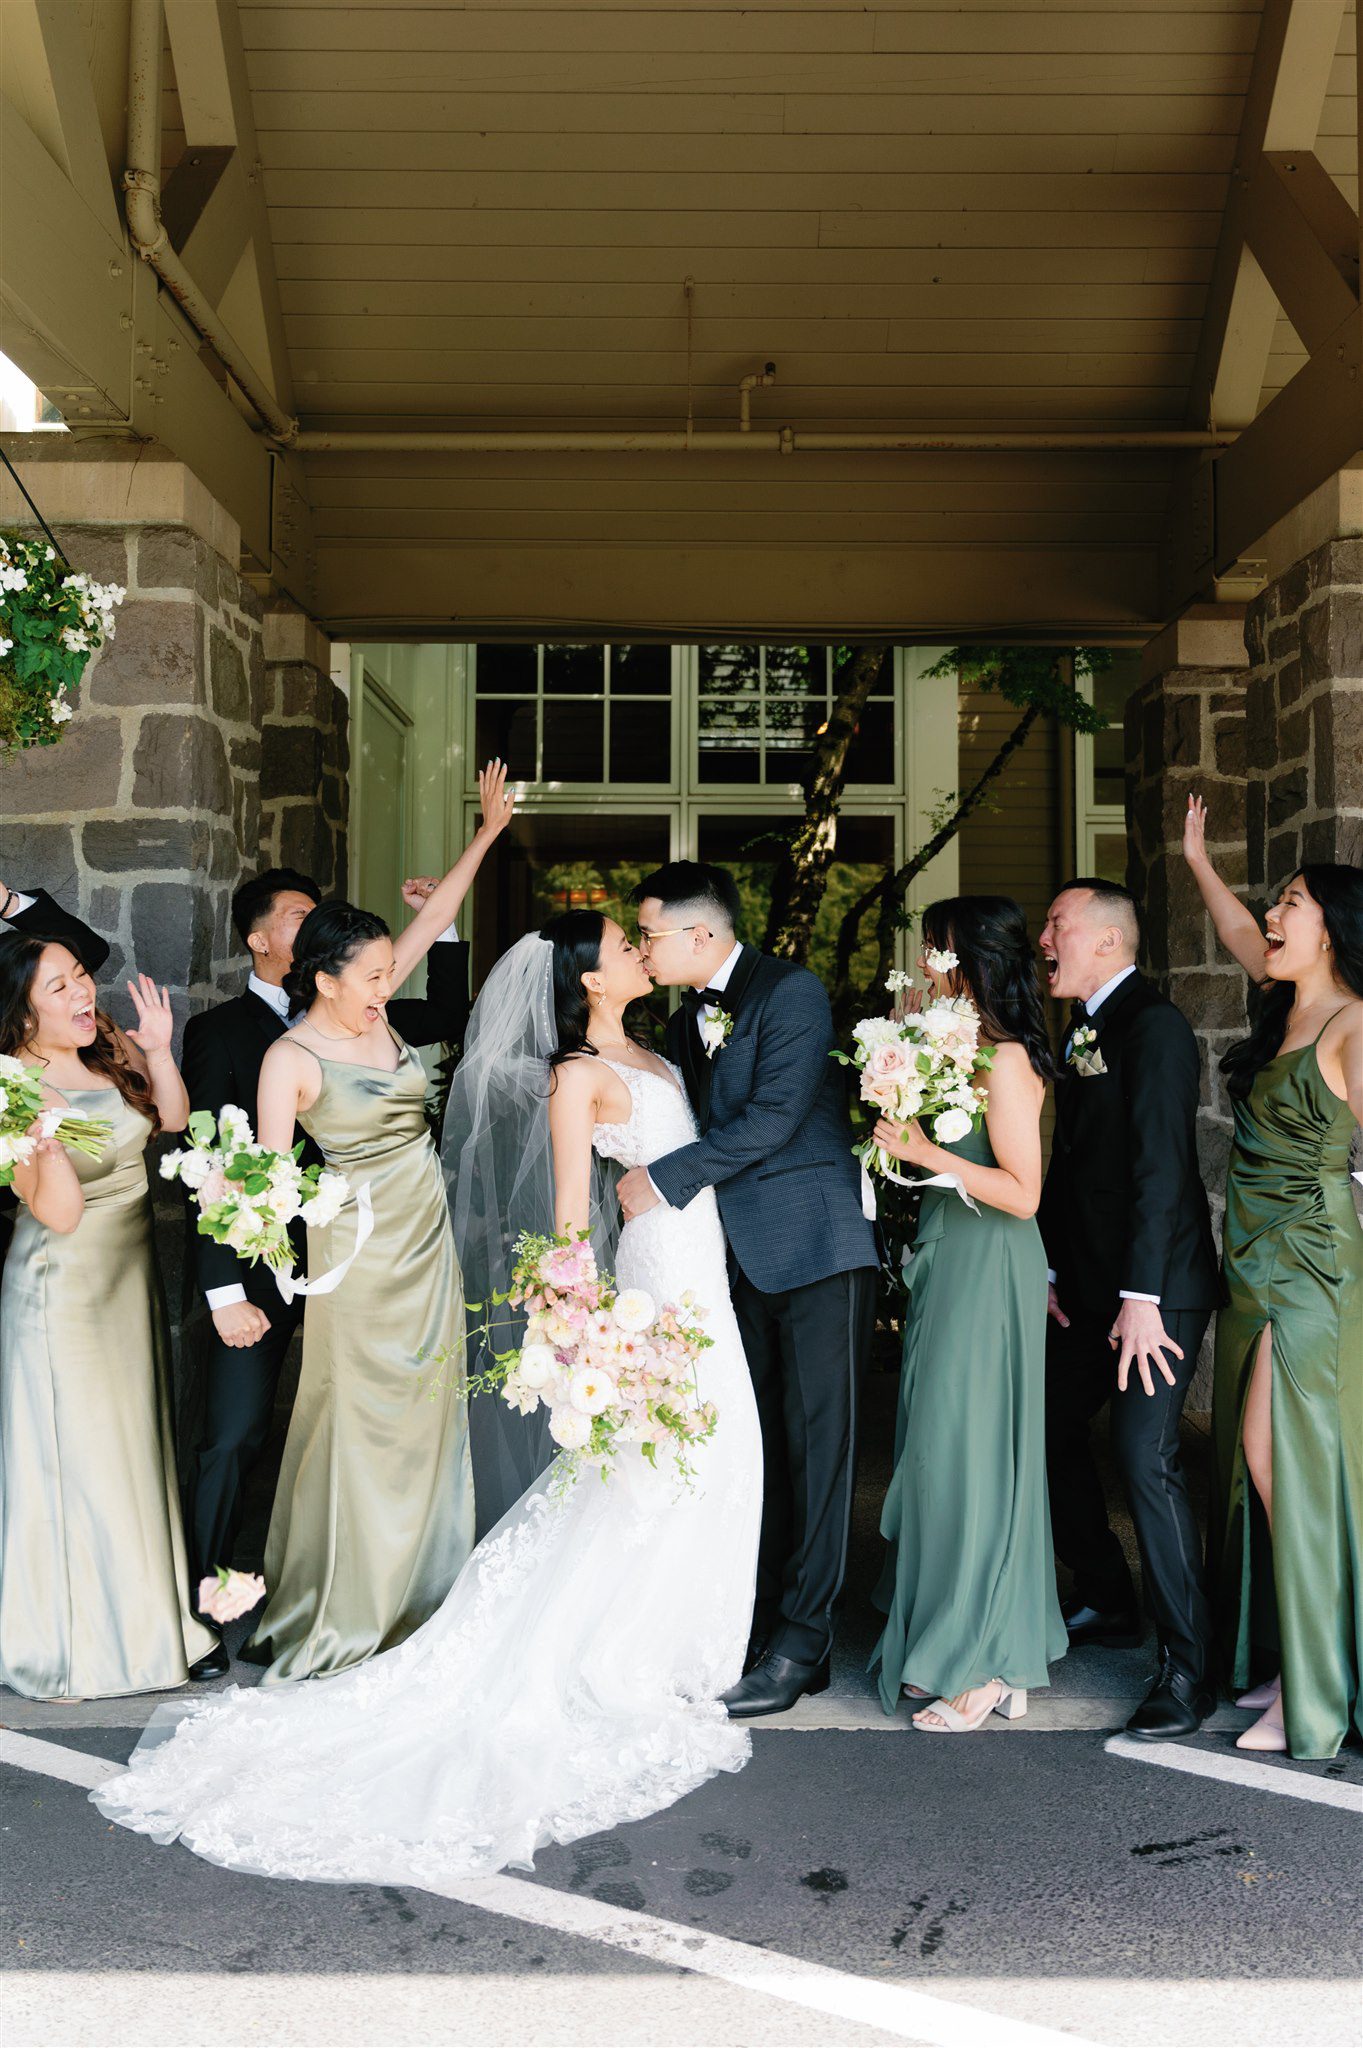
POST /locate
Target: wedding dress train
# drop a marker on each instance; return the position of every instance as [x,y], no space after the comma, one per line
[569,1682]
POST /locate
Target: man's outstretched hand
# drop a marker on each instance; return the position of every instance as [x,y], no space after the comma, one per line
[1140,1335]
[637,1193]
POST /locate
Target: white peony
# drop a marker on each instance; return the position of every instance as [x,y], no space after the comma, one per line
[634,1310]
[195,1167]
[329,1199]
[570,1428]
[537,1366]
[234,1126]
[10,1068]
[591,1392]
[951,1126]
[874,1031]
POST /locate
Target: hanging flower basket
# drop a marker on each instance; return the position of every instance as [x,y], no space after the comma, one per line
[52,619]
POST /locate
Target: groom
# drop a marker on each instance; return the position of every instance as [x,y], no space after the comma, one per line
[753,1038]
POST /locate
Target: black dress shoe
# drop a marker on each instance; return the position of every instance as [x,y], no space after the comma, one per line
[1175,1705]
[753,1655]
[1114,1628]
[773,1686]
[216,1664]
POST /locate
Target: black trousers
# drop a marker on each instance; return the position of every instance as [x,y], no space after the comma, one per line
[239,1398]
[1081,1377]
[806,1350]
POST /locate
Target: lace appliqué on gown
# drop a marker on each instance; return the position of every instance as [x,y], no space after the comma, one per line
[568,1683]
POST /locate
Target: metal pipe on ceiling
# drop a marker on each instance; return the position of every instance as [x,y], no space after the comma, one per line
[146,230]
[755,441]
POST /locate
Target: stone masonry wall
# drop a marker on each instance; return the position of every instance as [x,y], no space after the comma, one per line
[305,760]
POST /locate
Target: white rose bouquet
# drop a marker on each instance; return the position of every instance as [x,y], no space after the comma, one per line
[926,1066]
[21,1108]
[246,1195]
[612,1366]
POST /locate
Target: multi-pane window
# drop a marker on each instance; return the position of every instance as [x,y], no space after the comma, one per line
[576,713]
[1100,770]
[761,709]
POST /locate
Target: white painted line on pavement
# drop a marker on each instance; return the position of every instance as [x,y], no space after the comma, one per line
[894,2008]
[1239,1770]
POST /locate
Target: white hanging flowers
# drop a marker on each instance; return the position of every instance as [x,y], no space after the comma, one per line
[52,619]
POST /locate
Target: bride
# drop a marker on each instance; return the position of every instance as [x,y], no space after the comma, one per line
[571,1679]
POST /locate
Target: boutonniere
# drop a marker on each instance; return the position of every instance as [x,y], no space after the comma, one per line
[1084,1056]
[716,1029]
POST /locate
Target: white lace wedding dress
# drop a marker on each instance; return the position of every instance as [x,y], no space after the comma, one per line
[568,1683]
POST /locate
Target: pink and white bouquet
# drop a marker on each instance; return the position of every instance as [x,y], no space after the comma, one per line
[226,1595]
[246,1195]
[926,1065]
[612,1366]
[21,1109]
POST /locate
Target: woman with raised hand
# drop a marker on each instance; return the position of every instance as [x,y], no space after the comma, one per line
[969,1587]
[92,1560]
[1287,1410]
[373,1517]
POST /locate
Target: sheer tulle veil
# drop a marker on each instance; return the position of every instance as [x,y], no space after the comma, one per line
[499,1174]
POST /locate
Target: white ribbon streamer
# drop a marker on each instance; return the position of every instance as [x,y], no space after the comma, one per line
[936,1180]
[326,1283]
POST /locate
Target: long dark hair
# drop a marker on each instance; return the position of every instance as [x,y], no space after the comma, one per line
[20,953]
[1338,889]
[988,935]
[576,937]
[328,939]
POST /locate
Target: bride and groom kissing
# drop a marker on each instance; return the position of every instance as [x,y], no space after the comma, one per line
[599,1653]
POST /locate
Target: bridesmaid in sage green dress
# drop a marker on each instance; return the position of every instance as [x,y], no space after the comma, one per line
[969,1587]
[1287,1406]
[93,1582]
[373,1518]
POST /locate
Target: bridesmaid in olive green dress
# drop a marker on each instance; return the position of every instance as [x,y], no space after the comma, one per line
[93,1583]
[968,1590]
[1287,1412]
[373,1518]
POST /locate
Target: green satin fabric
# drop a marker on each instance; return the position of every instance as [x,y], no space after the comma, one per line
[969,1586]
[373,1518]
[1293,1258]
[93,1579]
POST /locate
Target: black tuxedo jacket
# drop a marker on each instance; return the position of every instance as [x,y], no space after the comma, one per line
[776,1139]
[1123,1206]
[45,919]
[223,1051]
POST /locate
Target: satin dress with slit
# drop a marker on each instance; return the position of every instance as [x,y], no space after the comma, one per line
[373,1517]
[1293,1260]
[968,1589]
[93,1579]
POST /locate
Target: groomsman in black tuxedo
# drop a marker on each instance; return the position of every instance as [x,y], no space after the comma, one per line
[37,913]
[1133,1284]
[252,1324]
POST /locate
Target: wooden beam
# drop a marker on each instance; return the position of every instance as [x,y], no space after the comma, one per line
[47,77]
[1288,82]
[1303,234]
[203,76]
[212,248]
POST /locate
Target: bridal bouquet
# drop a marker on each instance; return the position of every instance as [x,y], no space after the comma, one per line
[21,1106]
[611,1365]
[925,1065]
[246,1195]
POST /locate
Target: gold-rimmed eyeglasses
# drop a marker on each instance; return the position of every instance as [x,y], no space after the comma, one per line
[647,937]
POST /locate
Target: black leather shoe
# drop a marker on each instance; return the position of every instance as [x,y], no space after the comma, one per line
[216,1664]
[1116,1628]
[753,1655]
[1174,1706]
[773,1686]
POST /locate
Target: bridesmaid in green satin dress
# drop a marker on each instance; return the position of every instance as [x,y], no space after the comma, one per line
[93,1582]
[1287,1418]
[969,1587]
[373,1518]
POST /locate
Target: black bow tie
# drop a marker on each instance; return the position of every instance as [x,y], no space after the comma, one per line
[694,999]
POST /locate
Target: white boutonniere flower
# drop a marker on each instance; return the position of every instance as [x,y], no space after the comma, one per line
[716,1028]
[1084,1056]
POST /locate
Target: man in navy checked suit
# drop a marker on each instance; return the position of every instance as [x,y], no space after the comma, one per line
[753,1038]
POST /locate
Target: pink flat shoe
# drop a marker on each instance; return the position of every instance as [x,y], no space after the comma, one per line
[1267,1734]
[1260,1696]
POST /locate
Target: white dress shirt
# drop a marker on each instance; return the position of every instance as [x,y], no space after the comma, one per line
[19,902]
[1092,1003]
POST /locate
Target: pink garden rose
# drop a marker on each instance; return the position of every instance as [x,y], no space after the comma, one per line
[225,1596]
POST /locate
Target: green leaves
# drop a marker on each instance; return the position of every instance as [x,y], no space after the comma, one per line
[1032,675]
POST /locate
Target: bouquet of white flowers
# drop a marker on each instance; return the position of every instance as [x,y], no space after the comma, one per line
[246,1195]
[21,1106]
[612,1366]
[925,1065]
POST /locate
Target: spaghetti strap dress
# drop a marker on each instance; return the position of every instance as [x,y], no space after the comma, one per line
[1293,1260]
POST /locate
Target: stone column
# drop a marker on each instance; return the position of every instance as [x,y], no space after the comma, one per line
[1185,730]
[305,753]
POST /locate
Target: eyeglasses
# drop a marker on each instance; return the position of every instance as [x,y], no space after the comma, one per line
[647,937]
